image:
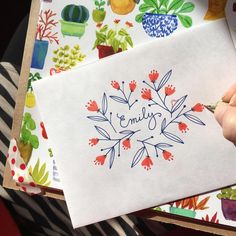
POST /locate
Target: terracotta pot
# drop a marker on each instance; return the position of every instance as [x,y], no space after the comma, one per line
[105,51]
[229,209]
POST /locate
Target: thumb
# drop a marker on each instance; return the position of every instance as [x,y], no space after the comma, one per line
[220,111]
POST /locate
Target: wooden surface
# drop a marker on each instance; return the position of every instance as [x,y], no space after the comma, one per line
[20,101]
[22,86]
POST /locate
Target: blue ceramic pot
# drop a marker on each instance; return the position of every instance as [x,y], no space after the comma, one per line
[39,54]
[159,25]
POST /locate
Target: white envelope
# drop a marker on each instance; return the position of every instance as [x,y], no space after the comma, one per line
[130,131]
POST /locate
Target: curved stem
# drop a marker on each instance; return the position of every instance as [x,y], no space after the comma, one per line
[109,121]
[174,119]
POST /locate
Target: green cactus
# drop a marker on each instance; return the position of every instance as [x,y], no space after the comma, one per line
[74,13]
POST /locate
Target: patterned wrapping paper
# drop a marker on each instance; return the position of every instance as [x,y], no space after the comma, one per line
[74,33]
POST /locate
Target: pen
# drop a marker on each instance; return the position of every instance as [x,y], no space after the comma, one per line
[212,107]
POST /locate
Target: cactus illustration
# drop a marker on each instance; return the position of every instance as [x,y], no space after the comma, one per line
[40,174]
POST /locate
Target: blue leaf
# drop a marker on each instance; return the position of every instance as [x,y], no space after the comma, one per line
[173,137]
[164,80]
[163,125]
[163,145]
[118,99]
[126,132]
[103,132]
[112,157]
[137,157]
[104,104]
[178,103]
[194,119]
[97,118]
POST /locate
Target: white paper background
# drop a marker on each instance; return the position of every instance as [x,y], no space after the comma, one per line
[203,62]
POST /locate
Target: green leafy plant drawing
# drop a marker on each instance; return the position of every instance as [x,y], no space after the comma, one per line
[173,7]
[28,141]
[116,38]
[227,193]
[100,4]
[40,174]
[32,78]
[65,57]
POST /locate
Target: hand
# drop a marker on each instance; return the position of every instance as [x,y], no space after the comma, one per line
[225,114]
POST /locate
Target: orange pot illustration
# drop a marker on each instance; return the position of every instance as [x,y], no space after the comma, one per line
[216,9]
[122,7]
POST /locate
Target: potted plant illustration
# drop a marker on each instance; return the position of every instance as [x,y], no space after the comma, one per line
[43,36]
[65,58]
[110,41]
[228,203]
[188,206]
[28,141]
[99,13]
[40,174]
[74,20]
[122,7]
[30,97]
[216,9]
[160,17]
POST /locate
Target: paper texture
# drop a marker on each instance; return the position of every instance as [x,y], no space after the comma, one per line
[192,64]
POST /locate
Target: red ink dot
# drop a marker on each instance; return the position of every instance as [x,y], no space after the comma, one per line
[22,166]
[13,161]
[21,179]
[32,184]
[14,149]
[23,188]
[12,172]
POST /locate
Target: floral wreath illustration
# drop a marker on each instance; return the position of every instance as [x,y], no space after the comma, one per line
[155,94]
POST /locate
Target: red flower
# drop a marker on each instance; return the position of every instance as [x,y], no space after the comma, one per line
[132,85]
[44,133]
[167,155]
[116,21]
[126,144]
[115,85]
[129,24]
[93,141]
[100,160]
[146,94]
[147,163]
[198,107]
[183,127]
[153,76]
[169,90]
[92,106]
[98,25]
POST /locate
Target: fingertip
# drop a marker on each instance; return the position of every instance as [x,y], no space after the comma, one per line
[229,93]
